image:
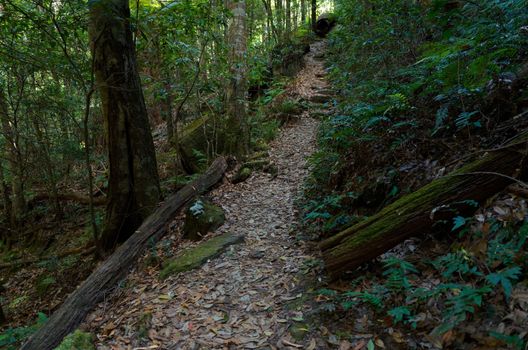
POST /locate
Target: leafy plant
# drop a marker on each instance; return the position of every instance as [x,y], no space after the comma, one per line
[11,337]
[396,271]
[505,278]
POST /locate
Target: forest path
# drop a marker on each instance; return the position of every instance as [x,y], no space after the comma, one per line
[242,299]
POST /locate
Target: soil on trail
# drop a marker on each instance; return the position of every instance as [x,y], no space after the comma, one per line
[242,299]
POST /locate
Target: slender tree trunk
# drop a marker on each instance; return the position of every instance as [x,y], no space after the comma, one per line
[2,316]
[314,14]
[288,19]
[6,201]
[269,12]
[303,11]
[134,190]
[279,12]
[14,159]
[44,150]
[237,131]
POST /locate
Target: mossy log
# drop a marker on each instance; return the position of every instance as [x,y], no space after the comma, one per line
[415,214]
[115,268]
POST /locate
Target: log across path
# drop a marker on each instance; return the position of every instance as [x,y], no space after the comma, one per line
[240,298]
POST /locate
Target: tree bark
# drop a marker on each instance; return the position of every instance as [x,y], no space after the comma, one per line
[288,19]
[416,213]
[100,283]
[14,159]
[3,319]
[303,11]
[133,183]
[314,13]
[236,129]
[5,236]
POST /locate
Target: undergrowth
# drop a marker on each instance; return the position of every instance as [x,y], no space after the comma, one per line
[418,84]
[436,295]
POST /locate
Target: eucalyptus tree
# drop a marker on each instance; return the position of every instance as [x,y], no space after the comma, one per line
[236,128]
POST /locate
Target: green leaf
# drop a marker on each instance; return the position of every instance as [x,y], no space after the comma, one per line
[458,222]
[505,278]
[370,345]
[399,313]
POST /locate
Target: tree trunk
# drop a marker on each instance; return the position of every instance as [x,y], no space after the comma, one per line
[236,129]
[415,214]
[271,22]
[43,149]
[2,316]
[133,183]
[303,11]
[14,159]
[5,236]
[314,13]
[101,282]
[288,19]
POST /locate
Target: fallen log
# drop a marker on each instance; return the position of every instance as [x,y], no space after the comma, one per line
[105,277]
[416,213]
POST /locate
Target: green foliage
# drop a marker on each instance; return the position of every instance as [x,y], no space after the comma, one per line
[404,67]
[396,271]
[513,340]
[465,301]
[77,340]
[456,265]
[12,337]
[505,278]
[466,282]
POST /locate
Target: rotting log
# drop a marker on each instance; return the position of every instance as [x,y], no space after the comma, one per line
[416,213]
[105,277]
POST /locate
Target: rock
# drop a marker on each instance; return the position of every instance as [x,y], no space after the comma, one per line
[202,217]
[195,257]
[241,175]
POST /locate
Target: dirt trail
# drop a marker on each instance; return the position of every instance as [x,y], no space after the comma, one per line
[243,298]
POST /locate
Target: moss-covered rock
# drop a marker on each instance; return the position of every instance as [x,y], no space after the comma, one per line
[202,217]
[196,256]
[77,340]
[241,175]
